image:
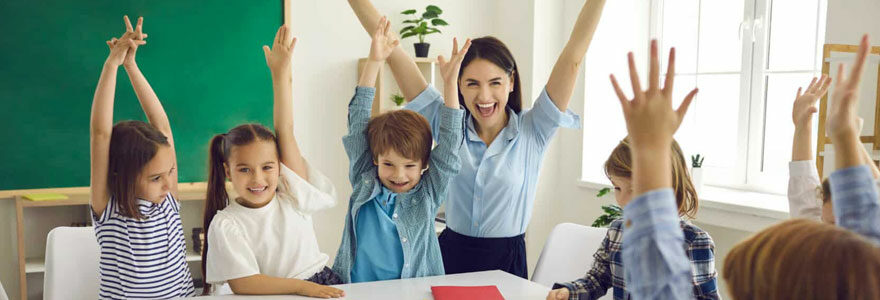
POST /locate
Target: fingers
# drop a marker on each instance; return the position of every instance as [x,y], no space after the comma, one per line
[624,102]
[128,27]
[292,44]
[454,46]
[812,86]
[395,43]
[840,78]
[683,107]
[670,74]
[634,75]
[387,30]
[464,50]
[654,69]
[380,28]
[824,87]
[285,36]
[856,76]
[441,61]
[278,36]
[140,28]
[798,93]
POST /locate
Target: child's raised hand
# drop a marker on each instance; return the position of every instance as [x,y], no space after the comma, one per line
[842,120]
[124,46]
[650,120]
[450,69]
[278,58]
[384,41]
[137,35]
[805,104]
[321,291]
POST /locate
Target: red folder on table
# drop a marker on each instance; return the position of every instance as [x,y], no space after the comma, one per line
[489,292]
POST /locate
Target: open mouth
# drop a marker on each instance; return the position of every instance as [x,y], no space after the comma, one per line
[398,184]
[487,109]
[258,190]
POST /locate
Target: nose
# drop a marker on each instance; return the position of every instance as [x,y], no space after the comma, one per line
[485,93]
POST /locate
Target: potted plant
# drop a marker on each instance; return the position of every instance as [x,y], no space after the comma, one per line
[419,27]
[612,212]
[697,171]
[398,99]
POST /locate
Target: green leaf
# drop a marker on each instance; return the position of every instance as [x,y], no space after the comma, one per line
[429,15]
[603,192]
[423,25]
[408,12]
[413,21]
[408,34]
[434,9]
[439,22]
[432,30]
[407,28]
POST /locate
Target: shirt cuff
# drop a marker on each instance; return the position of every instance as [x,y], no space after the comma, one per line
[548,109]
[652,212]
[852,189]
[803,168]
[425,98]
[451,118]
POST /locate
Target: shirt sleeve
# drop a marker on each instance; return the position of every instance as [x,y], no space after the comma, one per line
[854,198]
[803,187]
[701,251]
[545,117]
[598,279]
[656,264]
[229,254]
[428,104]
[445,161]
[355,141]
[310,196]
[99,220]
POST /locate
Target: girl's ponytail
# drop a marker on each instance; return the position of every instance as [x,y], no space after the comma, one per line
[217,198]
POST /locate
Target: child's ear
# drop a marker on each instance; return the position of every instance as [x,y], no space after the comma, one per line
[375,163]
[226,169]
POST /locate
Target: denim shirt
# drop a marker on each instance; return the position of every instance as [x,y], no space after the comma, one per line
[416,208]
[660,270]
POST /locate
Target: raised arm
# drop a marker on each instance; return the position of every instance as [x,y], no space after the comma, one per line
[403,67]
[565,71]
[802,115]
[150,103]
[101,124]
[278,59]
[843,127]
[657,267]
[449,71]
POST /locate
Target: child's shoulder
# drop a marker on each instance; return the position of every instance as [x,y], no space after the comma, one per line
[693,234]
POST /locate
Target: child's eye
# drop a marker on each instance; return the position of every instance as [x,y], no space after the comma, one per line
[410,166]
[154,179]
[267,168]
[387,164]
[471,84]
[495,83]
[616,189]
[244,170]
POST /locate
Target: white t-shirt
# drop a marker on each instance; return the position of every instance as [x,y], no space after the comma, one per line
[276,240]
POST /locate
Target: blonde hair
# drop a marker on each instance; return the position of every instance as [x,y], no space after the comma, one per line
[803,259]
[619,163]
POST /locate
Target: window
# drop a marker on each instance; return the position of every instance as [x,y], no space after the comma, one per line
[748,57]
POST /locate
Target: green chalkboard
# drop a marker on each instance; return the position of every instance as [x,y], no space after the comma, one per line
[203,59]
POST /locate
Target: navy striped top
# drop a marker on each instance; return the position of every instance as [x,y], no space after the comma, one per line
[143,259]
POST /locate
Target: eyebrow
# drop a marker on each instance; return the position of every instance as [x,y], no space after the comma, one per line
[490,80]
[265,163]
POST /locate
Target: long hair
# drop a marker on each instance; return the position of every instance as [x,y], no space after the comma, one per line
[217,199]
[619,163]
[803,259]
[494,51]
[132,145]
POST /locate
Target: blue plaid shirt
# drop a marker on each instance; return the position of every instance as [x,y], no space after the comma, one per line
[607,271]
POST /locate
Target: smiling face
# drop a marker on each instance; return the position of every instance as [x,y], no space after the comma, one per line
[397,173]
[154,181]
[253,169]
[486,87]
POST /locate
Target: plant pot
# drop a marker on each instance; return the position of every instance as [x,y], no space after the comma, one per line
[697,179]
[422,49]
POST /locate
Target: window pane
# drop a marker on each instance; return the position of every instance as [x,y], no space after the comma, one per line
[680,21]
[720,45]
[778,126]
[793,35]
[716,113]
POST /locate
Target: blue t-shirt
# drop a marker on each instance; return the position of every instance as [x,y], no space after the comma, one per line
[379,255]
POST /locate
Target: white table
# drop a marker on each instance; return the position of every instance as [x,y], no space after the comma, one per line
[511,287]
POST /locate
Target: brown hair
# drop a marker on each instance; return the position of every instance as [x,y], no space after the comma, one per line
[406,132]
[619,163]
[493,50]
[803,259]
[825,191]
[132,145]
[217,199]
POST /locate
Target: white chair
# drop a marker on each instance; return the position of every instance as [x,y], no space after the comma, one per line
[568,254]
[72,255]
[3,295]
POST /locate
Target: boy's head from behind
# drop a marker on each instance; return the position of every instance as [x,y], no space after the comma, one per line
[400,142]
[803,259]
[618,168]
[141,166]
[248,156]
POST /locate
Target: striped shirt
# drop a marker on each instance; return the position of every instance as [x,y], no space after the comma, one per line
[143,259]
[607,271]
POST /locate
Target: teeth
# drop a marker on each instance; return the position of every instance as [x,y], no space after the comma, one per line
[486,105]
[257,190]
